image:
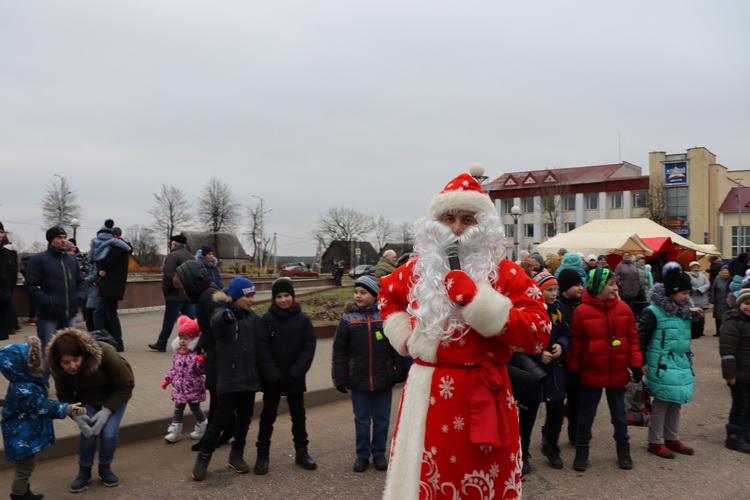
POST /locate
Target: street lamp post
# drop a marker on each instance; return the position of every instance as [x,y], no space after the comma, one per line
[75,224]
[515,212]
[476,170]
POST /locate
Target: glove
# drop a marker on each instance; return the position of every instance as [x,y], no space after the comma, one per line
[200,359]
[637,373]
[164,384]
[83,424]
[461,288]
[98,420]
[75,410]
[341,388]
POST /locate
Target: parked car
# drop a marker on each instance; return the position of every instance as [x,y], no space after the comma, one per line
[297,272]
[362,270]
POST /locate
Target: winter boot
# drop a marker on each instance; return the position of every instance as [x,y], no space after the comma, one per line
[623,456]
[200,430]
[26,496]
[174,433]
[201,465]
[107,476]
[679,447]
[581,461]
[82,480]
[552,452]
[238,463]
[303,459]
[526,457]
[261,463]
[736,439]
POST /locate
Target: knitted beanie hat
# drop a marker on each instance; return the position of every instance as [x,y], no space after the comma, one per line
[568,278]
[188,327]
[239,287]
[674,279]
[598,278]
[107,227]
[743,295]
[282,285]
[54,232]
[206,249]
[462,193]
[544,280]
[369,283]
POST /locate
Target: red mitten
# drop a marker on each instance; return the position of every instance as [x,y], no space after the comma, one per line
[201,359]
[164,383]
[461,288]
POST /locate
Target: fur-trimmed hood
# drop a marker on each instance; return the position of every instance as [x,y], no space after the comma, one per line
[658,297]
[93,351]
[22,362]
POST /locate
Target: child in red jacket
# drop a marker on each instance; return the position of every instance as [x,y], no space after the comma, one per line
[604,345]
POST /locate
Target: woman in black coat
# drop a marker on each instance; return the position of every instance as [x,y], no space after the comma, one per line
[286,347]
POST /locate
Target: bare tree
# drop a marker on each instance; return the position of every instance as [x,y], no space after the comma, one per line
[218,211]
[170,212]
[342,224]
[37,247]
[552,208]
[384,230]
[59,205]
[257,234]
[143,241]
[656,209]
[407,233]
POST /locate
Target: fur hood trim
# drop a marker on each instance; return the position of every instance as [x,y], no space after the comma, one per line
[221,297]
[658,297]
[93,351]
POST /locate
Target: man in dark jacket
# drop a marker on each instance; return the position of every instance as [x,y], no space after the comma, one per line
[8,276]
[54,283]
[176,300]
[113,276]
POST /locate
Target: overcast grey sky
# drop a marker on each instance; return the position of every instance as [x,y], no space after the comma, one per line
[358,104]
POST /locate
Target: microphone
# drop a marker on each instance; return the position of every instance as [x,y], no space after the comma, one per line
[451,251]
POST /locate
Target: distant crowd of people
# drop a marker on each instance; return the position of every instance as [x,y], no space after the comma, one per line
[480,341]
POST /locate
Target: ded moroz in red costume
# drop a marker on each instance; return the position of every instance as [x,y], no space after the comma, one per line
[457,432]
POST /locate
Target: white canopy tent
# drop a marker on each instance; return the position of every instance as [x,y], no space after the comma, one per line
[595,243]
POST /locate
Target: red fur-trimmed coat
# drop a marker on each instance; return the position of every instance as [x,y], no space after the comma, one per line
[457,432]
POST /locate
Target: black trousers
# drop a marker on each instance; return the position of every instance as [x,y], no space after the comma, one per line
[237,405]
[296,404]
[552,424]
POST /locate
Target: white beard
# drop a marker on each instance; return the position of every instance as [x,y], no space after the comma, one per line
[480,248]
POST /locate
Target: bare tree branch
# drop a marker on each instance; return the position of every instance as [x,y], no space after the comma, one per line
[59,205]
[218,211]
[170,212]
[143,241]
[383,230]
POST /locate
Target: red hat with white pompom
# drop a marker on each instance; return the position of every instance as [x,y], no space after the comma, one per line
[462,193]
[188,327]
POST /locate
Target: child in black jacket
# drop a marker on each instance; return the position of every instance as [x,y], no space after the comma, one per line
[286,347]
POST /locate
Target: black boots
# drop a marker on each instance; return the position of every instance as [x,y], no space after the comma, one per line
[303,459]
[737,439]
[623,456]
[581,462]
[201,466]
[552,452]
[82,480]
[26,496]
[526,463]
[261,463]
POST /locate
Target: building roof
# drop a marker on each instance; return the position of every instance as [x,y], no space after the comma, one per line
[731,202]
[563,176]
[226,245]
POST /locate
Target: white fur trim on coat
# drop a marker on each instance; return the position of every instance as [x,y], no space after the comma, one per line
[423,347]
[488,312]
[454,201]
[407,447]
[397,327]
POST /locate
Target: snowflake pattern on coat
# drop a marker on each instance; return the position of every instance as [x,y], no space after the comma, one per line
[452,466]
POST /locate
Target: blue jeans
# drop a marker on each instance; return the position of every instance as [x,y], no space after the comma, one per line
[371,407]
[171,310]
[107,438]
[106,314]
[45,330]
[590,397]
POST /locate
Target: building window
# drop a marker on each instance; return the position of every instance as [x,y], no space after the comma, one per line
[676,203]
[548,230]
[616,199]
[507,205]
[510,230]
[743,245]
[528,230]
[527,205]
[592,201]
[569,226]
[640,200]
[569,203]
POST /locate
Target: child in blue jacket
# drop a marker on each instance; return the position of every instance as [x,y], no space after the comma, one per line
[28,413]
